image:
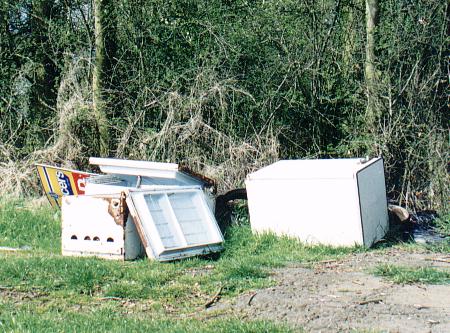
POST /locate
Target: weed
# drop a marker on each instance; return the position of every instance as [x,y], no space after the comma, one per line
[400,274]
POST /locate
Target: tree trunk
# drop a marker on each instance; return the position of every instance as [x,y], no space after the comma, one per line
[43,92]
[104,24]
[372,110]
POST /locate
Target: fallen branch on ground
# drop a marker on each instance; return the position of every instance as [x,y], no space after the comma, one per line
[251,298]
[214,299]
[377,300]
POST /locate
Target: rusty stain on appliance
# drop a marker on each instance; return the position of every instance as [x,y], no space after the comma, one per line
[208,181]
[117,208]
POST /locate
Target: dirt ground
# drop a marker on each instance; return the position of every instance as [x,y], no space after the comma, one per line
[342,296]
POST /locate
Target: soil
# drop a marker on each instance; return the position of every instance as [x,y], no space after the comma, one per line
[342,296]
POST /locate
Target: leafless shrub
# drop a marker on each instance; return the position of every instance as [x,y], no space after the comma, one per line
[16,176]
[74,127]
[412,142]
[74,135]
[187,137]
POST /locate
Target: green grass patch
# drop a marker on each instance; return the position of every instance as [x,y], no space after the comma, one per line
[38,228]
[440,247]
[399,274]
[182,286]
[29,318]
[244,264]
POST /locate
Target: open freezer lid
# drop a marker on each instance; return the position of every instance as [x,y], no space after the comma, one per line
[174,223]
[173,173]
[312,169]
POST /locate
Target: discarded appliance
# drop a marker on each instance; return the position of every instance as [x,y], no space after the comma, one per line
[99,226]
[160,209]
[126,174]
[174,223]
[59,182]
[339,202]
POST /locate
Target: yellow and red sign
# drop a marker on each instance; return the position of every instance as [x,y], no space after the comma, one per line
[58,182]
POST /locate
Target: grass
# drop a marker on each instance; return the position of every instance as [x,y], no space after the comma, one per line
[112,319]
[45,291]
[40,290]
[443,224]
[426,275]
[23,226]
[31,319]
[243,265]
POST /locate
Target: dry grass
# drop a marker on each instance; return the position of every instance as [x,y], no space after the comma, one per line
[186,135]
[18,176]
[211,152]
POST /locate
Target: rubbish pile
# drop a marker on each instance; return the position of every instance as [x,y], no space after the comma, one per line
[166,212]
[135,208]
[417,226]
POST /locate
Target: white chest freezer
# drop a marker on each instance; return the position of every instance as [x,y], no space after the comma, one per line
[339,202]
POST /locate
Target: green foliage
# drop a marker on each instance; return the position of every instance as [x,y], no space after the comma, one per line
[411,133]
[443,224]
[83,125]
[248,70]
[426,275]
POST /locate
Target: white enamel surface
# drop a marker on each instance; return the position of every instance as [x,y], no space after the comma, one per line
[311,169]
[115,162]
[135,168]
[175,221]
[84,216]
[87,216]
[315,201]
